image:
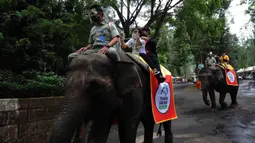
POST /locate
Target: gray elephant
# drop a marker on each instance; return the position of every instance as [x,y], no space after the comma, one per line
[214,79]
[98,89]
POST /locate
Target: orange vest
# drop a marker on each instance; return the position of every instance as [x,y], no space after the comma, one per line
[198,84]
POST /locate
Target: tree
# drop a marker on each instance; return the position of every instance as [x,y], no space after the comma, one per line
[157,14]
[201,25]
[39,35]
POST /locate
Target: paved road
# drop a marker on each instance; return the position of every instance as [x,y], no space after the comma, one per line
[113,137]
[247,88]
[196,122]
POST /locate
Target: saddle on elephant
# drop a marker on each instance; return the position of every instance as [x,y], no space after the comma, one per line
[230,73]
[162,94]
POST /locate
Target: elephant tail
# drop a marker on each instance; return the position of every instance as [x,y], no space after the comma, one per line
[159,133]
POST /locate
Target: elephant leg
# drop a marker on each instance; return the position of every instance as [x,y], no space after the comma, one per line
[148,124]
[212,97]
[99,130]
[233,95]
[130,115]
[168,131]
[206,101]
[222,100]
[127,130]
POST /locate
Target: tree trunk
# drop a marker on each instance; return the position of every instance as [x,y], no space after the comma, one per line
[126,29]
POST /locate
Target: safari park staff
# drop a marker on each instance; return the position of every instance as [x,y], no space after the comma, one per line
[210,61]
[103,36]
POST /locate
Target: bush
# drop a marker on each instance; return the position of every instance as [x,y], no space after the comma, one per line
[8,76]
[30,84]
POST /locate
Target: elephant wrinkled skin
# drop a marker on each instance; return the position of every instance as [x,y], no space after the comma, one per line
[99,90]
[214,79]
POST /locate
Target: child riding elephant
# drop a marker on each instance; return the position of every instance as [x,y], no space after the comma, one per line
[151,50]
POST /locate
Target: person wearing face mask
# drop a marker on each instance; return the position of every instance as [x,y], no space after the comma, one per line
[136,43]
[103,36]
[151,52]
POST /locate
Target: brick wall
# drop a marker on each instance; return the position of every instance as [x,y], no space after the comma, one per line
[27,120]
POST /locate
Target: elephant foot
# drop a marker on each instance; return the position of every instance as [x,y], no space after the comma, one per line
[233,105]
[159,134]
[207,102]
[224,105]
[213,109]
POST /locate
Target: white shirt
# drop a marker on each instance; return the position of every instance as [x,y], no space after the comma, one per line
[131,43]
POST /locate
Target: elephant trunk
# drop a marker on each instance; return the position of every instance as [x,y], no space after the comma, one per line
[75,108]
[70,117]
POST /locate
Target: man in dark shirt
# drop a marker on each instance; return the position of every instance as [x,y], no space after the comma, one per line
[151,51]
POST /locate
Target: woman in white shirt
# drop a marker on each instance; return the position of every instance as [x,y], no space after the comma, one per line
[136,43]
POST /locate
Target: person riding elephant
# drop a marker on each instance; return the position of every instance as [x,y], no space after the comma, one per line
[151,51]
[210,61]
[103,36]
[224,59]
[136,43]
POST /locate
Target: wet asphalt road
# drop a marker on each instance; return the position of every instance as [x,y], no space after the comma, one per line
[196,122]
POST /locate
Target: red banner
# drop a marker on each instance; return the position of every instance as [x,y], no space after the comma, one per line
[231,77]
[162,99]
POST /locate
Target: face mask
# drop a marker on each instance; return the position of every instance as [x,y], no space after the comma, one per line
[94,18]
[93,15]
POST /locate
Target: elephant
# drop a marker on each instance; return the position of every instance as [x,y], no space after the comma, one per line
[214,79]
[98,89]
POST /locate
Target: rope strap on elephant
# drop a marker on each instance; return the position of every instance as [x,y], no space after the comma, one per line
[162,96]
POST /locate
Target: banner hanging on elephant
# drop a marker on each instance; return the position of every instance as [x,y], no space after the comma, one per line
[162,98]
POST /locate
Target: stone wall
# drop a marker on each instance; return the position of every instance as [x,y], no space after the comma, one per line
[27,120]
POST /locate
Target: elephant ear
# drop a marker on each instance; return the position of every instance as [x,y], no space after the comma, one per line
[127,78]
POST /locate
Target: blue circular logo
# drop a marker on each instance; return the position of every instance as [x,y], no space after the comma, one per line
[200,66]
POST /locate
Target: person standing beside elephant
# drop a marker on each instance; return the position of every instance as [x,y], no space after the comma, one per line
[210,61]
[103,36]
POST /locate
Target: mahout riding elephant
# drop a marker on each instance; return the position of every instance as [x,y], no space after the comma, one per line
[98,89]
[214,79]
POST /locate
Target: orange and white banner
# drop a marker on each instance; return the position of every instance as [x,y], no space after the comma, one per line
[162,99]
[231,77]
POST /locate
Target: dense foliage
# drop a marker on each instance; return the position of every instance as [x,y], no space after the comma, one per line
[36,37]
[30,84]
[39,35]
